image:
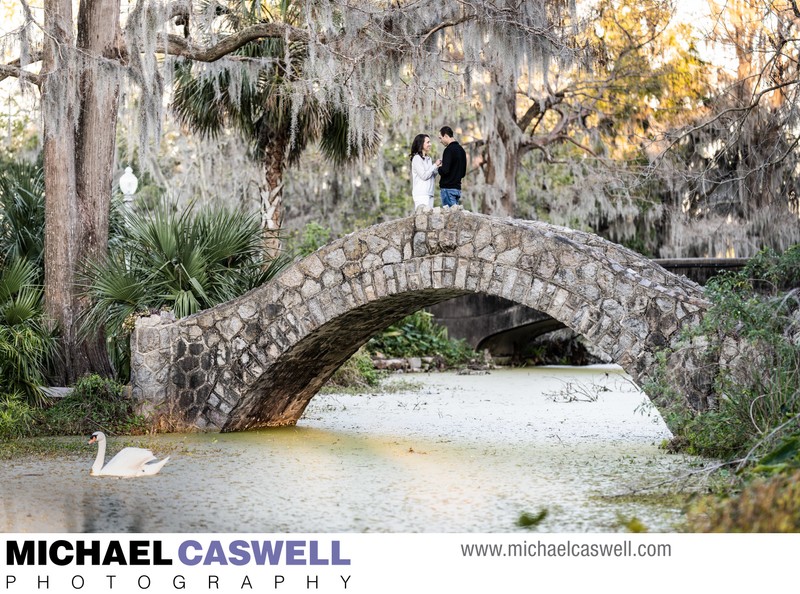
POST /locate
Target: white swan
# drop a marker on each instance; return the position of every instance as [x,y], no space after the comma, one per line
[128,462]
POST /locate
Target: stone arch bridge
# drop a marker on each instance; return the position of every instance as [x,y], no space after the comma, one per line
[258,360]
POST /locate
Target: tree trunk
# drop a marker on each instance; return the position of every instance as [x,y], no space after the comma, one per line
[61,217]
[500,173]
[272,198]
[98,34]
[503,145]
[79,106]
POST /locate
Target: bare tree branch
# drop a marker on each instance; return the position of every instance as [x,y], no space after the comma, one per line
[558,133]
[446,25]
[13,69]
[178,46]
[180,8]
[536,109]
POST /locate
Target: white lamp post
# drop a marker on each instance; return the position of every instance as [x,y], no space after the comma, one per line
[128,184]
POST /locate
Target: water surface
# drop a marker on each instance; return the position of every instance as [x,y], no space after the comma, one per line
[463,453]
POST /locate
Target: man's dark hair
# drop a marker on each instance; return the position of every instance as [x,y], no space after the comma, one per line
[446,131]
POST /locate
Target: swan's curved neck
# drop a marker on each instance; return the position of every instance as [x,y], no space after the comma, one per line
[101,456]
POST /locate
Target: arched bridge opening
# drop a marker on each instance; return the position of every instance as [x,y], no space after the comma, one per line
[258,360]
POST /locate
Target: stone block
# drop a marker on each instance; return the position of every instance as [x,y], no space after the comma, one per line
[499,239]
[310,288]
[496,283]
[335,259]
[408,251]
[531,244]
[379,283]
[508,257]
[247,311]
[522,287]
[487,254]
[317,314]
[565,275]
[509,280]
[605,282]
[483,237]
[311,266]
[460,279]
[637,327]
[420,245]
[466,235]
[369,291]
[376,244]
[485,277]
[391,256]
[353,249]
[148,339]
[292,277]
[154,361]
[448,241]
[547,265]
[371,262]
[613,309]
[587,271]
[436,219]
[559,299]
[357,284]
[205,320]
[624,289]
[588,291]
[351,270]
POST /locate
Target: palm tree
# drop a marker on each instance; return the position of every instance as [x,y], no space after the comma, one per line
[184,262]
[263,106]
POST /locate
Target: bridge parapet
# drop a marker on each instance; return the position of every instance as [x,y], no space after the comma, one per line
[258,360]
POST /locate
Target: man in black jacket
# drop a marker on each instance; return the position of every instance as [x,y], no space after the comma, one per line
[452,169]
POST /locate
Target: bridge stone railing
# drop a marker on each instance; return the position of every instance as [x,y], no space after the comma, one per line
[258,360]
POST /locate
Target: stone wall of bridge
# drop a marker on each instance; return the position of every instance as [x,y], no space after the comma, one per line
[257,361]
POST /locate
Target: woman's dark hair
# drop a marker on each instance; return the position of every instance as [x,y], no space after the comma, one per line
[416,146]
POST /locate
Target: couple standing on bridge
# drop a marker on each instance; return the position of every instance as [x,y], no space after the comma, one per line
[452,167]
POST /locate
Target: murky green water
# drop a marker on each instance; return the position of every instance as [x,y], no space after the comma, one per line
[464,453]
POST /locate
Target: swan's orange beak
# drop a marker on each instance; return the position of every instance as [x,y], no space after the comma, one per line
[92,439]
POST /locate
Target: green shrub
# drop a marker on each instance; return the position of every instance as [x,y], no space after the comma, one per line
[758,399]
[309,239]
[183,262]
[22,213]
[95,403]
[26,345]
[17,417]
[358,373]
[765,505]
[418,335]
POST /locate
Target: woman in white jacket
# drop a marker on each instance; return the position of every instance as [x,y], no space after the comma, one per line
[423,172]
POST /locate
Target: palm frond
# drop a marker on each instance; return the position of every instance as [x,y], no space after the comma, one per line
[15,277]
[22,212]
